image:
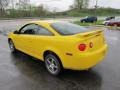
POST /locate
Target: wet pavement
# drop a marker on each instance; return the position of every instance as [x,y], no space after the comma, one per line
[22,72]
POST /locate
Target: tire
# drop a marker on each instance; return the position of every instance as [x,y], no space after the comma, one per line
[115,26]
[92,21]
[106,24]
[53,64]
[83,21]
[11,46]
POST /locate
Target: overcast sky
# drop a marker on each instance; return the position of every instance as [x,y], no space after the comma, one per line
[64,4]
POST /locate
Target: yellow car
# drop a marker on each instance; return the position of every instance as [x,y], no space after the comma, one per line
[60,44]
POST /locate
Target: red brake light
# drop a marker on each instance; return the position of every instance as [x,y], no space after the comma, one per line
[82,47]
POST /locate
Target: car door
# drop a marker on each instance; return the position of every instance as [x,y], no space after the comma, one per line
[24,38]
[39,41]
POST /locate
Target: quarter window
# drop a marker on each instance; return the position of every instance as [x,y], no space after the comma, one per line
[43,31]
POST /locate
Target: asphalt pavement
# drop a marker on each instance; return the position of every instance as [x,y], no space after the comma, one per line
[22,72]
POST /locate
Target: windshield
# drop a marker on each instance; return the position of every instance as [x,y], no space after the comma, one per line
[65,28]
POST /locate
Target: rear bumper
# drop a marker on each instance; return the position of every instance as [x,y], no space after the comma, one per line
[86,60]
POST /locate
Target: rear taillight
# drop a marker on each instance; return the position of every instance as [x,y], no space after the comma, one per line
[82,47]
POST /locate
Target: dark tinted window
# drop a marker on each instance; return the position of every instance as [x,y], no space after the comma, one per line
[65,28]
[43,31]
[29,29]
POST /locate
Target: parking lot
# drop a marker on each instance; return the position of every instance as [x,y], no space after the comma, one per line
[22,72]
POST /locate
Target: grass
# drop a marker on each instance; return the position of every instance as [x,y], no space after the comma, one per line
[89,24]
[97,23]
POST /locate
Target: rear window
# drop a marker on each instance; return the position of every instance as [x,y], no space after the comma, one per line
[65,28]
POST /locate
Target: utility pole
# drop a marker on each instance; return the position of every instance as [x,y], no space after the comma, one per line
[96,6]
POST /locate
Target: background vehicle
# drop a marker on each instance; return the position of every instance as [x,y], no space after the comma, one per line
[90,19]
[106,22]
[60,45]
[115,22]
[109,18]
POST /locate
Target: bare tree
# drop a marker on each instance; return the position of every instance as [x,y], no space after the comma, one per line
[80,4]
[3,5]
[96,6]
[23,4]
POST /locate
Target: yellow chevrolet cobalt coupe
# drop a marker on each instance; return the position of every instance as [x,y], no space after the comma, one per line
[60,45]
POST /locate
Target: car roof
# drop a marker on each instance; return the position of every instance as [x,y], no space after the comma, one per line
[45,21]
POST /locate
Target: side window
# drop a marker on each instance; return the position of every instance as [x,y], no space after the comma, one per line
[43,31]
[29,29]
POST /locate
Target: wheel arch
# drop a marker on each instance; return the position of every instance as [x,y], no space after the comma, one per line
[9,39]
[53,53]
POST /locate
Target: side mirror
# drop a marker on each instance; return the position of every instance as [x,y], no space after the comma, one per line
[16,32]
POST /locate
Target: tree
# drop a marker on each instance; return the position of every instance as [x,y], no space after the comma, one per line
[39,10]
[3,4]
[23,4]
[80,4]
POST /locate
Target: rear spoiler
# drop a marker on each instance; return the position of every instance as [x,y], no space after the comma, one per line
[95,32]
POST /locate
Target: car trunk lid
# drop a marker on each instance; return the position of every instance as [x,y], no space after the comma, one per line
[94,39]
